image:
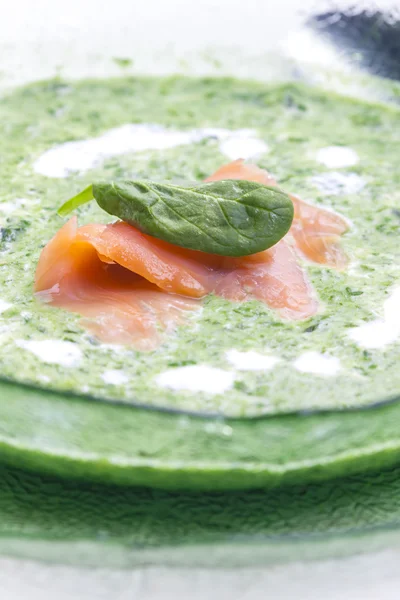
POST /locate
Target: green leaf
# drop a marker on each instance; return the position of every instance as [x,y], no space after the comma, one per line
[230,217]
[83,197]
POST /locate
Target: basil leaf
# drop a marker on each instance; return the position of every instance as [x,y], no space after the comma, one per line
[230,217]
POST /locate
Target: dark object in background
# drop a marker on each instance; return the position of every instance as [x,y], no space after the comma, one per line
[371,38]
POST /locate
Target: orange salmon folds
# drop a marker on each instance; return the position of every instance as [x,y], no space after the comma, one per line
[131,288]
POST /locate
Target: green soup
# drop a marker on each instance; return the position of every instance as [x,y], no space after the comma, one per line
[238,360]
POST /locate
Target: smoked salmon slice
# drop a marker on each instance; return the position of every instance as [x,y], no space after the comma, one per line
[132,288]
[117,305]
[316,231]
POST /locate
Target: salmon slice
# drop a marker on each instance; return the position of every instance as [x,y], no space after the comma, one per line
[173,269]
[132,288]
[316,231]
[117,305]
[125,297]
[238,169]
[275,278]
